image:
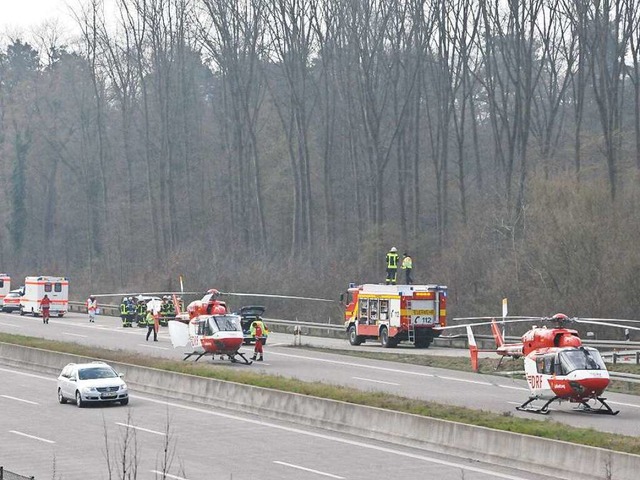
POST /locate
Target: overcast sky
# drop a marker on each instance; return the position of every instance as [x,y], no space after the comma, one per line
[19,18]
[28,14]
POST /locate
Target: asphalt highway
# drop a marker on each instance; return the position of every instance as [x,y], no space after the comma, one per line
[485,392]
[180,441]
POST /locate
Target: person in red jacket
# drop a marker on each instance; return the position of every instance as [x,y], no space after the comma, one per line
[45,305]
[257,331]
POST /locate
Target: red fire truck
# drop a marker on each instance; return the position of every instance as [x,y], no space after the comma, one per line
[393,313]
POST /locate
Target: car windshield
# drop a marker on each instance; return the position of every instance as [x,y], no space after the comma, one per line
[581,359]
[96,372]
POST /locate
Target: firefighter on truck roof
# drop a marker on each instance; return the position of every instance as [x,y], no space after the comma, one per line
[392,266]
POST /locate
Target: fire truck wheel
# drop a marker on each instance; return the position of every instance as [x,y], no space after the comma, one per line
[354,338]
[384,338]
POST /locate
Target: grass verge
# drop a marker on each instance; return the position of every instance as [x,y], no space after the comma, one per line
[541,428]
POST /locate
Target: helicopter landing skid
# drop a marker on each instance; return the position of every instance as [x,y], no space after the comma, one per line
[543,410]
[189,355]
[604,408]
[233,358]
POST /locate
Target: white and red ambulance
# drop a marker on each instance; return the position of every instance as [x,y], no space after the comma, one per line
[5,285]
[35,288]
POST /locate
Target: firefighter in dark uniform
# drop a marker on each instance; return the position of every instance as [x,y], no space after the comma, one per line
[392,266]
[124,316]
[165,312]
[141,313]
[131,310]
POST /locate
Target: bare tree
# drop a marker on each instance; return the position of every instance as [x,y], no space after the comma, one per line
[235,39]
[290,24]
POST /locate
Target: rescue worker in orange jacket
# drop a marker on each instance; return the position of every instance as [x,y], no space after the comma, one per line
[45,305]
[258,332]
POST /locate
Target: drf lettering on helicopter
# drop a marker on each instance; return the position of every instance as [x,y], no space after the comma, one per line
[535,381]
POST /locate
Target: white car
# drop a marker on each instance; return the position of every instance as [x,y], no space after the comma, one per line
[94,382]
[11,302]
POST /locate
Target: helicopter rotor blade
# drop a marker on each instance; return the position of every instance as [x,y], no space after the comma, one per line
[600,320]
[130,294]
[478,324]
[267,295]
[606,324]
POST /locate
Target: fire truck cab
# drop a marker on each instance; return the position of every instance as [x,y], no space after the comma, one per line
[395,313]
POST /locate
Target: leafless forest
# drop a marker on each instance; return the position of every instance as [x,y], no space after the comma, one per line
[283,146]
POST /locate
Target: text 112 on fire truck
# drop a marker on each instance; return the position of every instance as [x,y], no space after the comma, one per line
[395,313]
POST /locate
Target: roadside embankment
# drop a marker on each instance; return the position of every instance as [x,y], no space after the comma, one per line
[546,457]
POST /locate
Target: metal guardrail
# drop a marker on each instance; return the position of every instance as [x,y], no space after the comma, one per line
[7,475]
[339,331]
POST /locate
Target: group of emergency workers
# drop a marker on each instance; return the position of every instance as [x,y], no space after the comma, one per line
[392,260]
[134,309]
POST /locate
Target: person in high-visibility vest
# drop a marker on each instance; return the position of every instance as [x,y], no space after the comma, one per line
[407,266]
[392,265]
[123,313]
[141,313]
[153,324]
[258,331]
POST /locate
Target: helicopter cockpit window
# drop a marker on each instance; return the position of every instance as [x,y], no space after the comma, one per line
[204,328]
[224,323]
[546,364]
[581,359]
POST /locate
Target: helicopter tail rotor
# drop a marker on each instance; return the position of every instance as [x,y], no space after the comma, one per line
[497,334]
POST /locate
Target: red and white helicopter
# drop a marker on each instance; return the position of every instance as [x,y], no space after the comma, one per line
[208,328]
[557,366]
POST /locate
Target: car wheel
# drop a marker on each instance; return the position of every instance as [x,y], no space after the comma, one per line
[124,402]
[61,398]
[79,401]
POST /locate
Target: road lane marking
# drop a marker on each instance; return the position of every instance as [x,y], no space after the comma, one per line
[31,436]
[376,381]
[333,438]
[152,346]
[10,325]
[75,335]
[167,475]
[311,470]
[351,364]
[33,375]
[513,388]
[464,380]
[386,369]
[126,425]
[625,404]
[19,399]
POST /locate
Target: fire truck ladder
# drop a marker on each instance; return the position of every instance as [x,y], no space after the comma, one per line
[411,333]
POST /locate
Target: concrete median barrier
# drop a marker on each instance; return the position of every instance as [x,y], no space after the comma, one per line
[531,454]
